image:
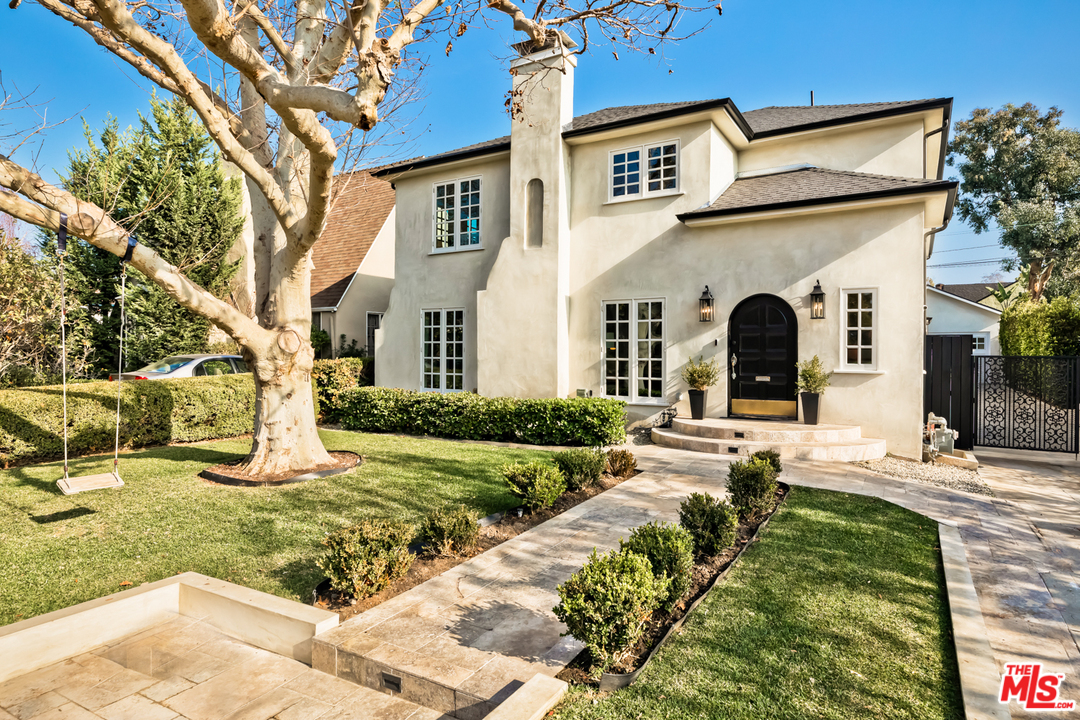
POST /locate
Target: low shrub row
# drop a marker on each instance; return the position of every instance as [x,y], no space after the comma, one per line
[151,413]
[363,559]
[540,484]
[468,416]
[333,377]
[608,603]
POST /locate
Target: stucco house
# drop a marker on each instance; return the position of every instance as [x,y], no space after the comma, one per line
[573,256]
[353,262]
[962,310]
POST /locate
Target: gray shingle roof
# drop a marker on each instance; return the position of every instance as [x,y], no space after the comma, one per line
[756,123]
[774,119]
[809,186]
[969,291]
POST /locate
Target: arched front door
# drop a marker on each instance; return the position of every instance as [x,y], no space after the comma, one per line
[763,339]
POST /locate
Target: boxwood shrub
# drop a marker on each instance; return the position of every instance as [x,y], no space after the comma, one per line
[152,412]
[537,483]
[333,377]
[468,416]
[752,486]
[363,559]
[670,551]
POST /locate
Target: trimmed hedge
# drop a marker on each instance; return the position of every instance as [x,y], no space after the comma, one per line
[332,377]
[468,416]
[152,412]
[1037,328]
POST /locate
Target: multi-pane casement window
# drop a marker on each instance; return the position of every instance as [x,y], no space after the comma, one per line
[645,170]
[444,350]
[456,215]
[634,350]
[859,351]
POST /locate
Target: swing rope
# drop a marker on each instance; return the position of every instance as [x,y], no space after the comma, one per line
[120,371]
[61,251]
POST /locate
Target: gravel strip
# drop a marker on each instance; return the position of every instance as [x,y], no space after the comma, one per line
[946,476]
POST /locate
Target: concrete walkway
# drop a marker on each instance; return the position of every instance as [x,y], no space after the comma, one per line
[1023,546]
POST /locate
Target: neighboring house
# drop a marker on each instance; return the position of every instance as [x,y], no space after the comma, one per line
[572,256]
[353,271]
[959,310]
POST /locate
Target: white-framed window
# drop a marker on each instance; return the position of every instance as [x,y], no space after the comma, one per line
[980,343]
[444,350]
[644,170]
[858,312]
[374,322]
[456,214]
[633,350]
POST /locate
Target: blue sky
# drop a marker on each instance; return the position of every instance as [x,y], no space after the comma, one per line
[761,52]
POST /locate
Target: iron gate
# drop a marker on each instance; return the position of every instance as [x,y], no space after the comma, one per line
[1027,403]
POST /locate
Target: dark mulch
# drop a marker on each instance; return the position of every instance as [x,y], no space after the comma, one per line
[706,571]
[233,471]
[428,565]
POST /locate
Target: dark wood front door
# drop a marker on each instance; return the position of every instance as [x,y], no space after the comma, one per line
[762,349]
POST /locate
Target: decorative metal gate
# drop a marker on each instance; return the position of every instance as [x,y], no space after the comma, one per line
[1027,403]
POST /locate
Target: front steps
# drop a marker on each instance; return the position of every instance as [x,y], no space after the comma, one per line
[729,436]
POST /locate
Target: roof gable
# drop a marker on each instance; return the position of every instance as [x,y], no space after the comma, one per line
[359,207]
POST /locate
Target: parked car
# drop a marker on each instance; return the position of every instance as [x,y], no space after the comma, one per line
[182,366]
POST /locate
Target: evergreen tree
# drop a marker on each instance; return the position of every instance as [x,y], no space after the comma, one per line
[165,184]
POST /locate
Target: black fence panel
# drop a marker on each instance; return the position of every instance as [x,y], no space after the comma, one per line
[1027,403]
[947,388]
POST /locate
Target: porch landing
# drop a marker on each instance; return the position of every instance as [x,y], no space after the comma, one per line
[731,436]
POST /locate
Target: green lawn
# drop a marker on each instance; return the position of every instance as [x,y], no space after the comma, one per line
[838,612]
[166,520]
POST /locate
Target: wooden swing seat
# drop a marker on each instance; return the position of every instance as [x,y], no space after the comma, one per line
[72,485]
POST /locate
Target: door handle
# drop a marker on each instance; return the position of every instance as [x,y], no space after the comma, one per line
[734,360]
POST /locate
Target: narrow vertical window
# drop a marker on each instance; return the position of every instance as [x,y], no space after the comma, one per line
[445,202]
[374,322]
[456,215]
[626,173]
[662,165]
[650,349]
[534,213]
[860,310]
[444,350]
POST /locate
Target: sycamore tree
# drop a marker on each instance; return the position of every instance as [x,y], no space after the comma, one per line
[1020,168]
[282,86]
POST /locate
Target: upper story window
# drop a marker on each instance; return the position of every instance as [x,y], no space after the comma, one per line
[860,329]
[645,170]
[456,215]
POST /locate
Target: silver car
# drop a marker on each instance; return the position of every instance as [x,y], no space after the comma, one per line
[182,366]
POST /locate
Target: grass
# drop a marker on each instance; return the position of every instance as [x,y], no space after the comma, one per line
[58,550]
[838,612]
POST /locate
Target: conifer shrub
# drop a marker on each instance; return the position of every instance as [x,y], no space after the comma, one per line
[451,530]
[752,486]
[363,559]
[670,551]
[621,463]
[538,484]
[582,467]
[607,603]
[711,522]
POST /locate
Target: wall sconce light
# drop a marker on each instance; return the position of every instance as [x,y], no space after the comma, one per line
[928,319]
[817,302]
[705,306]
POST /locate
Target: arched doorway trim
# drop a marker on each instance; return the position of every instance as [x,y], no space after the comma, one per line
[763,346]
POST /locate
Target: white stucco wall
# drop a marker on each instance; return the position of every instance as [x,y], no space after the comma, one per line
[953,316]
[370,288]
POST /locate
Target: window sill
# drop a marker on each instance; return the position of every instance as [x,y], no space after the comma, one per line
[653,196]
[452,251]
[660,402]
[855,371]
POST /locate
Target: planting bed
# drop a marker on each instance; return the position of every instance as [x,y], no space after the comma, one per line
[428,565]
[706,573]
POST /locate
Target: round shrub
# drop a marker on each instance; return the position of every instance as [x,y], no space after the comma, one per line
[620,463]
[752,486]
[670,551]
[538,484]
[363,559]
[582,467]
[450,530]
[711,522]
[607,603]
[772,457]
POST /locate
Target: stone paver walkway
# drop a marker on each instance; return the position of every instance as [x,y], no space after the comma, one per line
[187,669]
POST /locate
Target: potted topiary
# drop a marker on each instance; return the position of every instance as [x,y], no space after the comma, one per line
[810,383]
[700,376]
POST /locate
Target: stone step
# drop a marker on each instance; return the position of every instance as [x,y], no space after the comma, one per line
[765,430]
[842,451]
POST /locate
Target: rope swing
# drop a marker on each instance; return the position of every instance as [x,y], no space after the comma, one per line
[71,485]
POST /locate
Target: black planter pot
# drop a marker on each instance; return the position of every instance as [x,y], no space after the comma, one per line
[809,407]
[697,404]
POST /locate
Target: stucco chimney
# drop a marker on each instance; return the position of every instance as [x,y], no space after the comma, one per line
[527,289]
